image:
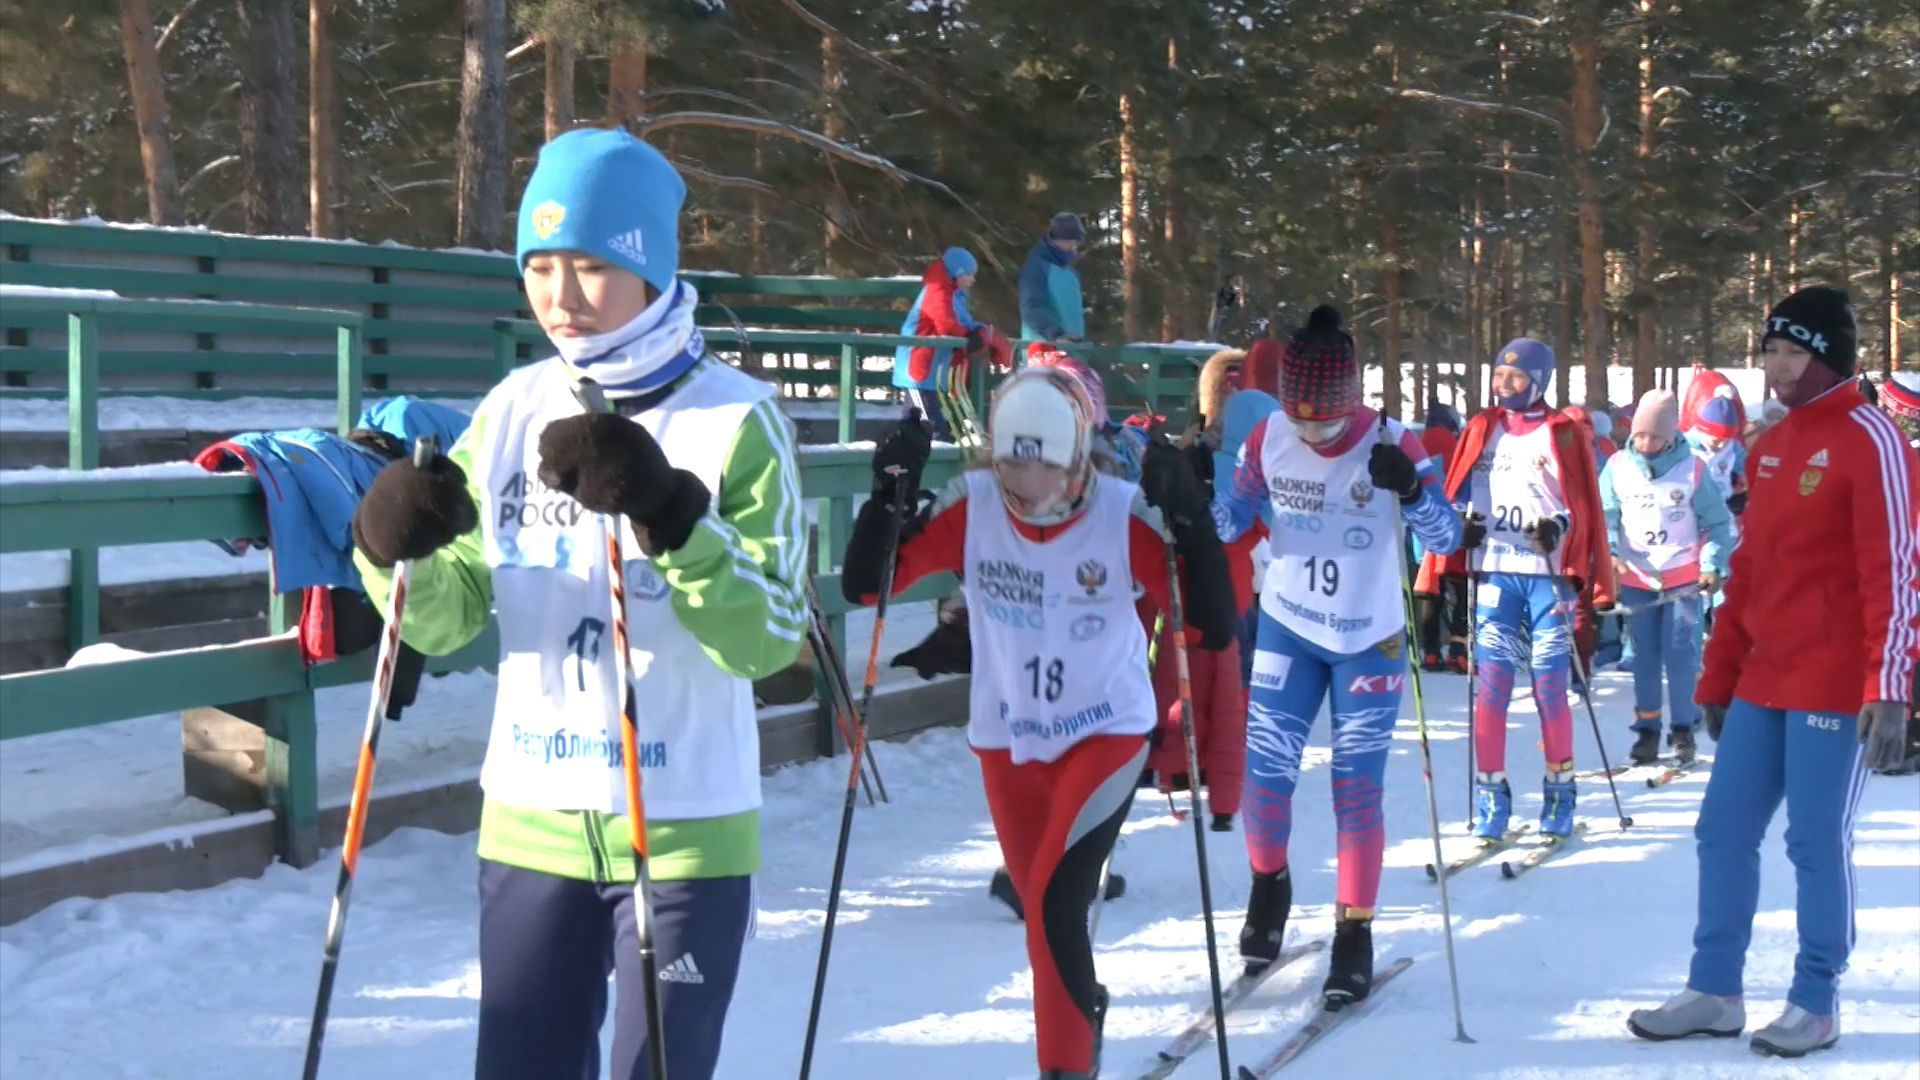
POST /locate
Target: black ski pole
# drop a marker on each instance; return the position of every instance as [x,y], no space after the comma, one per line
[839,691]
[1426,770]
[892,555]
[1473,673]
[1177,630]
[1579,668]
[593,400]
[423,455]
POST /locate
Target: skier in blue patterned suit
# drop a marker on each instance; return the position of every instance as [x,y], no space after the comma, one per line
[1340,480]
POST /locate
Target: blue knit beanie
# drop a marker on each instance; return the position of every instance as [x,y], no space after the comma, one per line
[1534,358]
[959,262]
[604,192]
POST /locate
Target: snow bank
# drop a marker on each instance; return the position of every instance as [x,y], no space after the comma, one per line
[41,474]
[49,291]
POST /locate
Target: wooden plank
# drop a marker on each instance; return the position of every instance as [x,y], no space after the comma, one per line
[111,309]
[773,317]
[176,361]
[712,284]
[56,236]
[64,514]
[166,283]
[39,702]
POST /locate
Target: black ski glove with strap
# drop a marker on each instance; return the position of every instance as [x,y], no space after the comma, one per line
[611,465]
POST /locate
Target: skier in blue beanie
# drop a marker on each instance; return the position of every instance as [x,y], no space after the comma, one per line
[695,467]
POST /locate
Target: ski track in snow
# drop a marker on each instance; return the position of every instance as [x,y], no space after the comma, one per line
[929,978]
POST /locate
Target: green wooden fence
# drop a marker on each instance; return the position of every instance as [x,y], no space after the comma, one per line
[264,680]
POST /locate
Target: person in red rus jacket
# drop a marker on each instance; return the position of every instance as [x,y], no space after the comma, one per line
[1807,677]
[1053,554]
[1526,477]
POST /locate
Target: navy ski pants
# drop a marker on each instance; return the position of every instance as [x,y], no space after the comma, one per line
[547,945]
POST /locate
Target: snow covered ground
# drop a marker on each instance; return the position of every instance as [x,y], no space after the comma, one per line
[929,978]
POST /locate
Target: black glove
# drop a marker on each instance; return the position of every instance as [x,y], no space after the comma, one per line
[1391,469]
[410,512]
[1545,534]
[948,650]
[906,447]
[1473,530]
[1169,484]
[611,465]
[1714,717]
[1737,503]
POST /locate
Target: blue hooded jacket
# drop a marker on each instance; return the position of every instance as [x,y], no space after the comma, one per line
[1050,300]
[312,482]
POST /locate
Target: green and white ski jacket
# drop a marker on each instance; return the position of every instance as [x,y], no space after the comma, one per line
[704,621]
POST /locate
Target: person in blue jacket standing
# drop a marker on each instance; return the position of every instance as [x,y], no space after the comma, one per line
[1051,308]
[940,310]
[1669,528]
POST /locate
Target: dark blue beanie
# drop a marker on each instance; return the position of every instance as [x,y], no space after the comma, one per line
[1534,358]
[1067,226]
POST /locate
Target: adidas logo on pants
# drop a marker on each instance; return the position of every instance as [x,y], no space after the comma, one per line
[683,970]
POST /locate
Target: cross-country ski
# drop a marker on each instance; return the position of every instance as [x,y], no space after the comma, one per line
[1483,851]
[1539,853]
[1240,991]
[1324,1020]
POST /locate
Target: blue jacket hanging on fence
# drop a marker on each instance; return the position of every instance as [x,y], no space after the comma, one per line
[407,419]
[312,481]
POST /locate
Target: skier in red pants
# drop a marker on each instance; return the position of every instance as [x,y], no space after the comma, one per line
[1219,700]
[1060,703]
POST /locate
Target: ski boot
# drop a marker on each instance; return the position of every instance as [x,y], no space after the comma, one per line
[1681,740]
[1796,1034]
[1458,661]
[1646,746]
[1690,1012]
[1433,663]
[1492,806]
[1556,817]
[1266,925]
[1222,823]
[1350,975]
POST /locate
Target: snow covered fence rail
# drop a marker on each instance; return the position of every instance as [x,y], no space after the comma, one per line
[265,684]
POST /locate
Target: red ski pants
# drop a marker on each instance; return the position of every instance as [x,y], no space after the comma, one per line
[1057,822]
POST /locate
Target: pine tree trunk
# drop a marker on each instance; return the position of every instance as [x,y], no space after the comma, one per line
[1586,133]
[150,111]
[1476,302]
[1390,360]
[559,91]
[323,128]
[627,83]
[833,85]
[1890,300]
[1563,345]
[1175,282]
[1129,220]
[482,183]
[1644,319]
[269,135]
[1708,354]
[1793,244]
